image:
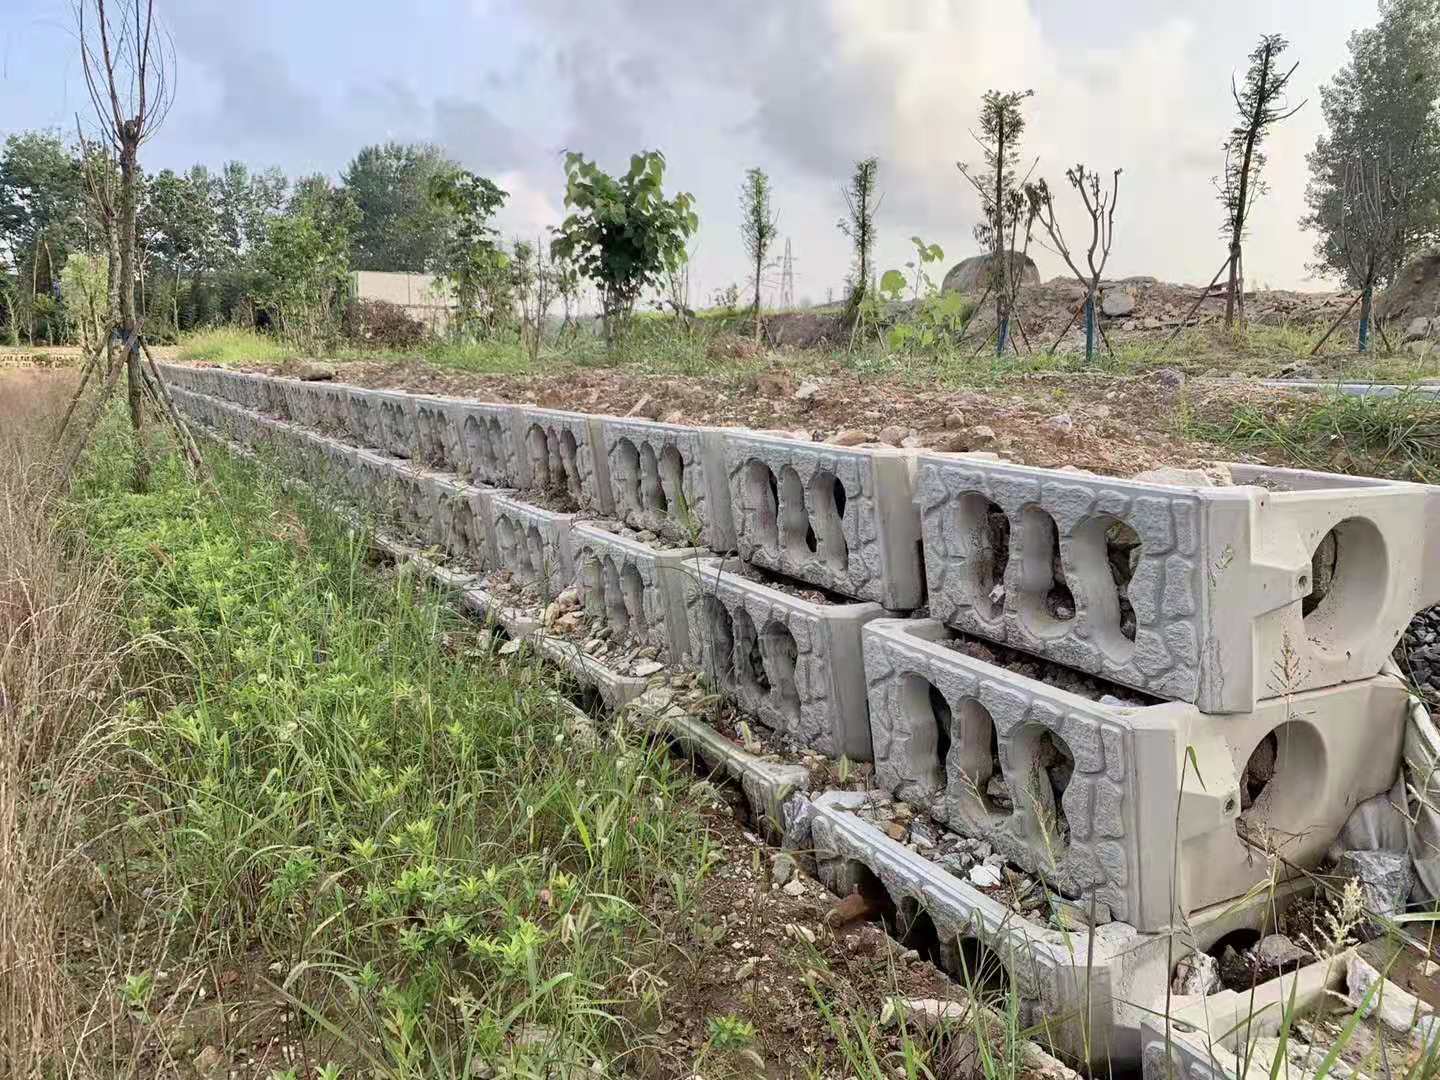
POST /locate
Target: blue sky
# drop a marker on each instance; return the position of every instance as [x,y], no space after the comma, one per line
[800,87]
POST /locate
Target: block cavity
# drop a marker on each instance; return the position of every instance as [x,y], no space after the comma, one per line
[1218,596]
[670,479]
[841,518]
[793,664]
[1081,791]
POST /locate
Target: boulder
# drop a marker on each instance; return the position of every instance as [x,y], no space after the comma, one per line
[973,274]
[1117,302]
[1384,877]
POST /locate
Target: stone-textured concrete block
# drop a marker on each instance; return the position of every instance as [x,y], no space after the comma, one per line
[1092,789]
[638,589]
[793,664]
[488,440]
[533,543]
[838,517]
[670,479]
[1220,596]
[1086,993]
[464,525]
[564,456]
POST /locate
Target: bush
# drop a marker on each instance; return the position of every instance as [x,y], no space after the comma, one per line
[379,322]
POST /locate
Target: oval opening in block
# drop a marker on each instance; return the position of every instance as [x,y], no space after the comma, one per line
[652,491]
[982,533]
[780,653]
[538,451]
[1046,604]
[931,724]
[797,537]
[762,501]
[535,560]
[626,470]
[720,629]
[632,590]
[672,484]
[1278,784]
[1106,552]
[749,661]
[570,462]
[1039,775]
[616,615]
[1346,589]
[827,517]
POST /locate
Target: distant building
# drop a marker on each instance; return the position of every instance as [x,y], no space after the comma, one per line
[426,298]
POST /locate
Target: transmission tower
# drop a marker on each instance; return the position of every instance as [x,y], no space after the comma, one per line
[787,279]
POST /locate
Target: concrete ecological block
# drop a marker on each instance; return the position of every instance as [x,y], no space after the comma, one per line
[534,544]
[793,664]
[401,495]
[488,438]
[1221,596]
[464,525]
[639,590]
[1084,992]
[384,420]
[563,455]
[1234,1034]
[841,518]
[1090,788]
[670,479]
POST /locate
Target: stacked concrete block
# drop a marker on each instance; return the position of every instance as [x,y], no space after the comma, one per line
[533,544]
[1089,787]
[435,442]
[1085,993]
[463,524]
[840,518]
[564,456]
[792,663]
[670,479]
[637,589]
[488,443]
[384,420]
[1220,596]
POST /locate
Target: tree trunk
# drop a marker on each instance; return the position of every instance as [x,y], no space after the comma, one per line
[1230,286]
[129,322]
[1090,327]
[759,265]
[1365,299]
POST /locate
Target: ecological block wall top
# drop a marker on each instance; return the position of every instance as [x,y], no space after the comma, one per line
[1092,789]
[533,543]
[1221,596]
[837,517]
[563,456]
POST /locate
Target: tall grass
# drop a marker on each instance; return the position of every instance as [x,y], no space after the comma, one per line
[354,806]
[61,720]
[233,345]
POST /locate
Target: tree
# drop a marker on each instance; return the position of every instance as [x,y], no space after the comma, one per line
[304,261]
[245,204]
[1003,206]
[1260,105]
[862,201]
[470,260]
[86,289]
[623,234]
[129,71]
[1374,190]
[758,229]
[180,226]
[41,213]
[402,227]
[1100,206]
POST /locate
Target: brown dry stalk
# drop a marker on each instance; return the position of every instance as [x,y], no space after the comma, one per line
[60,660]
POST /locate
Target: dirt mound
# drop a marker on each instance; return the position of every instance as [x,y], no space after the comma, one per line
[1412,302]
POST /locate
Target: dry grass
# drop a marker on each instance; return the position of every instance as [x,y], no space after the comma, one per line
[60,656]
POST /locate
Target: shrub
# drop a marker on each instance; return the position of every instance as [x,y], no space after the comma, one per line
[379,322]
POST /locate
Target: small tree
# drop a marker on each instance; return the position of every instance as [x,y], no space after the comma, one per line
[533,279]
[623,234]
[85,286]
[758,228]
[1260,105]
[304,262]
[1003,206]
[471,260]
[1100,205]
[862,200]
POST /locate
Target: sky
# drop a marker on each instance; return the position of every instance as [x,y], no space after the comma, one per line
[801,88]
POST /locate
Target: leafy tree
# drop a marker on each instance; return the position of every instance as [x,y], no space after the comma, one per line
[85,287]
[245,204]
[41,213]
[1003,206]
[180,226]
[1260,104]
[758,229]
[862,200]
[471,260]
[1374,191]
[402,227]
[304,262]
[623,234]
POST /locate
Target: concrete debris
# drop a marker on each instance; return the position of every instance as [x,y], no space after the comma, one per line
[1175,476]
[647,408]
[893,435]
[782,867]
[1198,973]
[982,435]
[1276,954]
[985,876]
[807,392]
[1060,424]
[1391,1005]
[852,437]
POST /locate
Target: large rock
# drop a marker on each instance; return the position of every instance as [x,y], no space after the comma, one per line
[1413,295]
[973,274]
[1384,878]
